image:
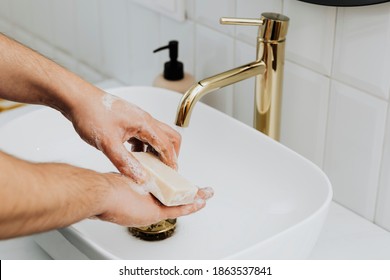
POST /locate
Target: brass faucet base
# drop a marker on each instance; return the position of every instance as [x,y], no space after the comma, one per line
[155,232]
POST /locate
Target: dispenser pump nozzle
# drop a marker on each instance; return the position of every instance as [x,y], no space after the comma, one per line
[173,69]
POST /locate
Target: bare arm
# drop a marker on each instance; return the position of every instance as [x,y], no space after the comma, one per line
[37,197]
[103,121]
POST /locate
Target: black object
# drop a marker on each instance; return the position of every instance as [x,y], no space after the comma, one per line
[345,3]
[173,69]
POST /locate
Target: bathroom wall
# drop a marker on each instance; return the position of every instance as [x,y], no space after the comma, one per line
[337,76]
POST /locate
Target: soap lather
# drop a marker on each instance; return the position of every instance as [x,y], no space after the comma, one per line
[173,77]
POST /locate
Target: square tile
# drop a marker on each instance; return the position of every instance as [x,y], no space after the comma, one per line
[209,12]
[353,150]
[6,27]
[304,111]
[21,13]
[382,217]
[88,33]
[214,54]
[5,10]
[115,39]
[42,19]
[64,25]
[362,56]
[254,9]
[244,91]
[310,36]
[143,39]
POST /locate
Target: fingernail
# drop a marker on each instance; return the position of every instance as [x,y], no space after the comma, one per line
[200,202]
[208,191]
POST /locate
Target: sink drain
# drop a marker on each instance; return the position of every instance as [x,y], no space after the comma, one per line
[155,232]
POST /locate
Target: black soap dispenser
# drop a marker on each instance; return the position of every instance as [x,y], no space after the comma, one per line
[173,77]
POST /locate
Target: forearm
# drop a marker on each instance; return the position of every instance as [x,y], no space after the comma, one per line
[40,197]
[28,77]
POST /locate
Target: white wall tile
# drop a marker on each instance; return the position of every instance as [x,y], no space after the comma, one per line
[89,74]
[64,25]
[115,39]
[144,38]
[88,35]
[44,48]
[5,27]
[311,35]
[42,19]
[214,54]
[209,12]
[304,111]
[382,217]
[67,61]
[5,11]
[254,9]
[185,34]
[174,9]
[362,56]
[354,146]
[244,96]
[23,36]
[190,9]
[21,13]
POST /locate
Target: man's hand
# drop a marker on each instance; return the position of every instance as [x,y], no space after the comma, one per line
[129,206]
[107,122]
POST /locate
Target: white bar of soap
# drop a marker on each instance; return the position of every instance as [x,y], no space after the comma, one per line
[172,189]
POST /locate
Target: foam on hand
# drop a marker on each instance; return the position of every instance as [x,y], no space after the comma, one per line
[172,189]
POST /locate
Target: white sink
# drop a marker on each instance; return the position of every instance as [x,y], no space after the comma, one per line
[269,202]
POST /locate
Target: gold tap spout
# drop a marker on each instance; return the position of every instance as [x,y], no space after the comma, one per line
[213,83]
[267,68]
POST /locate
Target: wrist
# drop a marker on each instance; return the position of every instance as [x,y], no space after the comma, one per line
[69,94]
[78,193]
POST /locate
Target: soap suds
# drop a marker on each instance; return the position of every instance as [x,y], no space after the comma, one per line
[145,188]
[108,100]
[180,197]
[200,202]
[96,139]
[208,192]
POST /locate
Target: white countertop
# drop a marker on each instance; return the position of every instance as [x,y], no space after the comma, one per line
[345,236]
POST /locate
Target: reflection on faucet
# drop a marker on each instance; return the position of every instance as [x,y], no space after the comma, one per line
[268,69]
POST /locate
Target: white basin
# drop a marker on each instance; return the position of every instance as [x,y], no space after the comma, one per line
[269,203]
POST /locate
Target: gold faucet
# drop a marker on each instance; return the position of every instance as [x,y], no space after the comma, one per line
[268,69]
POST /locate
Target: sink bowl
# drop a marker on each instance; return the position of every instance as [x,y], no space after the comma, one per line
[269,203]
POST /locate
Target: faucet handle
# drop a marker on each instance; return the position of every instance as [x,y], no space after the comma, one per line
[272,26]
[241,21]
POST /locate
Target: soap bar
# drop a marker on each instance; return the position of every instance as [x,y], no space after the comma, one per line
[172,189]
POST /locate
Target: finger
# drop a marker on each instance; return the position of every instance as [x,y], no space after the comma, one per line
[124,161]
[173,212]
[205,193]
[156,138]
[173,136]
